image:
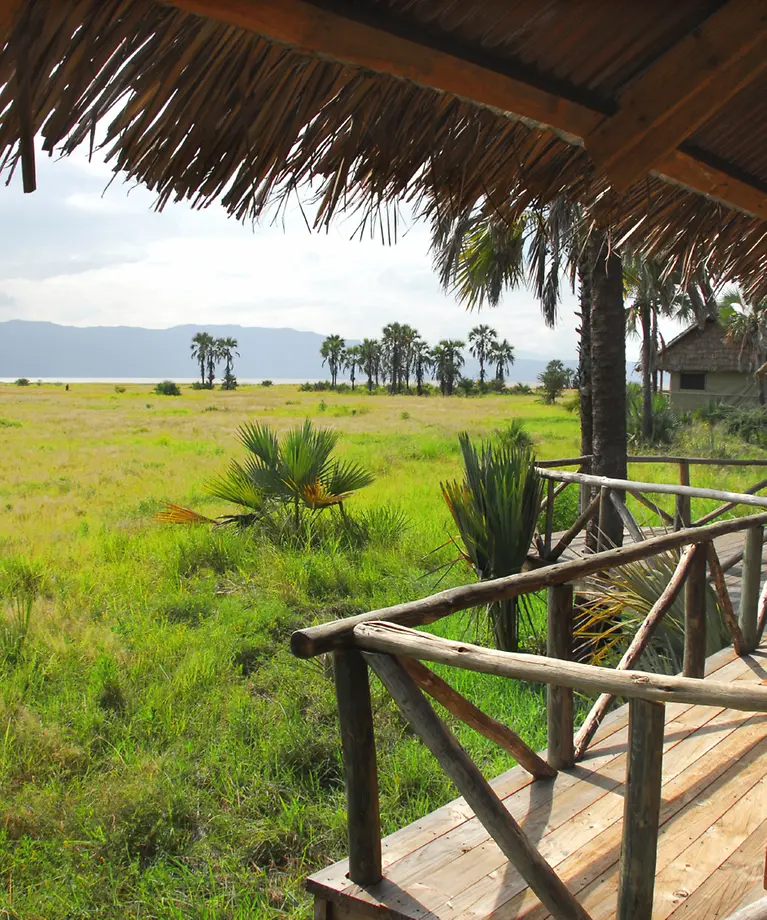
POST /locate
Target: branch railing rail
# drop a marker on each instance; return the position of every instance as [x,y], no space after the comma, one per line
[592,509]
[387,642]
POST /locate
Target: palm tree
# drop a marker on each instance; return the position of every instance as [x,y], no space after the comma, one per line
[653,294]
[369,359]
[227,348]
[215,354]
[422,362]
[332,352]
[352,360]
[202,344]
[481,339]
[478,258]
[395,352]
[409,338]
[501,355]
[481,255]
[297,471]
[447,361]
[746,325]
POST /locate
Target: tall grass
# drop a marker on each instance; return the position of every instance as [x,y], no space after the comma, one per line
[161,752]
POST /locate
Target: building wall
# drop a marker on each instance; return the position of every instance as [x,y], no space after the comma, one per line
[724,386]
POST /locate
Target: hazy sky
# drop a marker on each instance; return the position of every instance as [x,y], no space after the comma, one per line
[73,253]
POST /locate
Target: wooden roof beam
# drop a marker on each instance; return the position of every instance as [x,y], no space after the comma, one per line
[8,11]
[309,28]
[681,91]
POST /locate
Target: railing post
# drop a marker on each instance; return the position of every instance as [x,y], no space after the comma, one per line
[641,810]
[695,615]
[355,717]
[559,644]
[584,490]
[683,501]
[749,587]
[549,516]
[604,510]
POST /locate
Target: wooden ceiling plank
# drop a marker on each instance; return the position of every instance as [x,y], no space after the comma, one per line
[305,26]
[678,93]
[8,11]
[669,134]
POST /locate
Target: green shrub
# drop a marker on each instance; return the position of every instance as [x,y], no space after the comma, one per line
[22,382]
[167,388]
[9,423]
[573,402]
[495,508]
[665,422]
[119,389]
[521,389]
[514,434]
[319,386]
[466,386]
[266,383]
[750,425]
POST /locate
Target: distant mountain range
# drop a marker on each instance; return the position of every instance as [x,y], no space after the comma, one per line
[34,349]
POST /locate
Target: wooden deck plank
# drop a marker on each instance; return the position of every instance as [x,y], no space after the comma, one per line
[596,831]
[571,792]
[592,805]
[609,743]
[738,882]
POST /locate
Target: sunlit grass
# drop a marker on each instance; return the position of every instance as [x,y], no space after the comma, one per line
[161,752]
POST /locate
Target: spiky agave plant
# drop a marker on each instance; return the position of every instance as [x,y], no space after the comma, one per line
[495,508]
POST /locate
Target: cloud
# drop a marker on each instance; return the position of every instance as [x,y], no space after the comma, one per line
[78,253]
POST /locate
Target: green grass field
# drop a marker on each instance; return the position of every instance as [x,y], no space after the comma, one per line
[162,755]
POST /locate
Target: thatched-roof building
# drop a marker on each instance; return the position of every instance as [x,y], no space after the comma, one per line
[704,367]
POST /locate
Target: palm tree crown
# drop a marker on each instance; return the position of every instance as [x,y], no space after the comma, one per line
[202,345]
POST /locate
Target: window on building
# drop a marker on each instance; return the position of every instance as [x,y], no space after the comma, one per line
[689,381]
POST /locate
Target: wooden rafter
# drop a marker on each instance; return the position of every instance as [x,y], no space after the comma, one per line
[8,10]
[308,27]
[681,91]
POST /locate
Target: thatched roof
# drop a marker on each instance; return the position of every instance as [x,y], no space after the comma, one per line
[445,104]
[703,349]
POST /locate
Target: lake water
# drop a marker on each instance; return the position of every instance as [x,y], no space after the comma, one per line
[149,380]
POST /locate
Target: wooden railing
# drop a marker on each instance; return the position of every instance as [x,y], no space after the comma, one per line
[387,642]
[595,488]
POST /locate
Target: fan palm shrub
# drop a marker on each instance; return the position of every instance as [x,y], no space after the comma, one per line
[495,508]
[620,601]
[296,471]
[283,483]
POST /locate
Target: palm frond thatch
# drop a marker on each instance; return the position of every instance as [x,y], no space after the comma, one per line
[202,111]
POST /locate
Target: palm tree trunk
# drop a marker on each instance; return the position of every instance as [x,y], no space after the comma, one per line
[608,374]
[646,316]
[654,352]
[584,357]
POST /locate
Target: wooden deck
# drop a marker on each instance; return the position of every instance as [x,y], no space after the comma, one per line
[711,849]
